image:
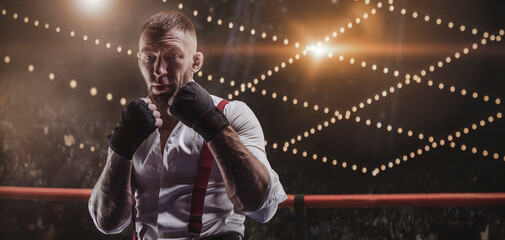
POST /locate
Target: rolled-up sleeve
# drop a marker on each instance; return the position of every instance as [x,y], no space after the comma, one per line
[249,131]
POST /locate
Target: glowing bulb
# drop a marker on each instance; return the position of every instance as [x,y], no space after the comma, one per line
[73,83]
[93,91]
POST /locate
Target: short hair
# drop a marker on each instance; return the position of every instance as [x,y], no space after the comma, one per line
[168,20]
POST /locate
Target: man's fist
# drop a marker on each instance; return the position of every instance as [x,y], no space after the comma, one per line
[193,106]
[140,118]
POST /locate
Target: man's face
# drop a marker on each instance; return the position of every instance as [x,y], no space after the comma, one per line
[167,60]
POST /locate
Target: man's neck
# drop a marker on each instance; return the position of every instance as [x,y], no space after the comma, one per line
[169,122]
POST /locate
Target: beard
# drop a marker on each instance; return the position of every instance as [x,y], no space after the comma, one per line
[161,99]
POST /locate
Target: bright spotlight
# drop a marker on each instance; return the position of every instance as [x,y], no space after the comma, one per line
[318,50]
[93,7]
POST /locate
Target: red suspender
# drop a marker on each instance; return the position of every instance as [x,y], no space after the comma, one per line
[200,187]
[222,104]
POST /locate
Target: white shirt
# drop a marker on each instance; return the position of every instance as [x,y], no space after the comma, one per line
[165,185]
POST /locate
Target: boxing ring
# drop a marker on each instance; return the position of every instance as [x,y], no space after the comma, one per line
[299,202]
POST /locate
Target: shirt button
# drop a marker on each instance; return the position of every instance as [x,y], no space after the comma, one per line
[156,148]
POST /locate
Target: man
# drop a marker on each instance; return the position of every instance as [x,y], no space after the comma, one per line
[159,140]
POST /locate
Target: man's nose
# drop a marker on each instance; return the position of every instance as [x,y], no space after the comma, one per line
[160,68]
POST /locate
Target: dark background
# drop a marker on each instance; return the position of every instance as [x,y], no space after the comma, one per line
[36,112]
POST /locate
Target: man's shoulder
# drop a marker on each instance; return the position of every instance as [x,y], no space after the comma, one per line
[216,99]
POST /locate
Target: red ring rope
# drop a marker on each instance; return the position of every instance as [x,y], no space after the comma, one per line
[310,201]
[400,200]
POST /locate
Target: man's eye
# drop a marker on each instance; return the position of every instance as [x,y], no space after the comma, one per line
[173,56]
[150,58]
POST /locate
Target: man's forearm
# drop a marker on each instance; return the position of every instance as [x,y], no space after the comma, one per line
[245,177]
[111,199]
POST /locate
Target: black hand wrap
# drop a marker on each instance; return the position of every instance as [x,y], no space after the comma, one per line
[194,107]
[136,124]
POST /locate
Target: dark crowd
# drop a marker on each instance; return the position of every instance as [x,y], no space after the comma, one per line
[69,220]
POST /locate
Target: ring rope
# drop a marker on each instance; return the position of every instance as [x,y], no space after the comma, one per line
[309,201]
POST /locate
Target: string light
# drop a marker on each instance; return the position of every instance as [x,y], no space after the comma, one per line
[385,70]
[73,83]
[93,91]
[418,80]
[122,101]
[463,147]
[297,56]
[72,33]
[442,142]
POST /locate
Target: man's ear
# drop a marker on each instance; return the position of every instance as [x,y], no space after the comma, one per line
[197,62]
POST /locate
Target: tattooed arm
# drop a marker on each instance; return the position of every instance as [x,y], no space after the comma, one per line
[252,185]
[245,177]
[111,201]
[235,138]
